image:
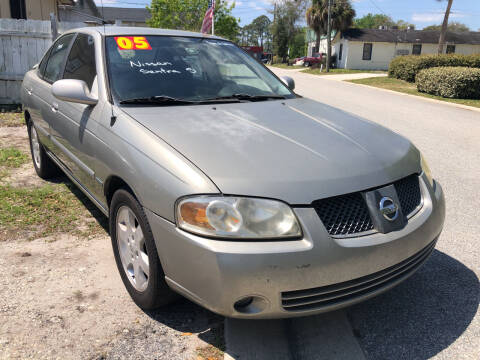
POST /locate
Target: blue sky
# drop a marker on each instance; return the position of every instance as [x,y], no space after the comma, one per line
[419,12]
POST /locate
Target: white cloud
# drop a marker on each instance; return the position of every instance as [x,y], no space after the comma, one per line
[436,16]
[255,5]
[105,2]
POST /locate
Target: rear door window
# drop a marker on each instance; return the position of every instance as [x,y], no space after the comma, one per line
[81,60]
[56,59]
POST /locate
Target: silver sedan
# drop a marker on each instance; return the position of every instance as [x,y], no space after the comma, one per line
[223,185]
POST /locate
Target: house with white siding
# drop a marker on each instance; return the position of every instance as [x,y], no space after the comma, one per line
[373,49]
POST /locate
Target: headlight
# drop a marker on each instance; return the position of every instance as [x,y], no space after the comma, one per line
[426,170]
[237,217]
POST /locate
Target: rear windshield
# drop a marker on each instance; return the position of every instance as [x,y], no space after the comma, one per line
[192,69]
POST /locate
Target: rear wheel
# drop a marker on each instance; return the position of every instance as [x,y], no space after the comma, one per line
[44,166]
[136,253]
[307,64]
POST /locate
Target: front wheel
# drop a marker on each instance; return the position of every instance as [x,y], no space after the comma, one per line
[307,64]
[136,253]
[44,166]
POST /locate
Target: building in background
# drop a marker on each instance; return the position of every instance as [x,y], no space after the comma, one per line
[125,16]
[374,49]
[63,10]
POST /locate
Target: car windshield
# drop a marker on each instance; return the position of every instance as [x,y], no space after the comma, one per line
[168,69]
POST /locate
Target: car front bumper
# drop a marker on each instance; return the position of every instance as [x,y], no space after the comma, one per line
[296,278]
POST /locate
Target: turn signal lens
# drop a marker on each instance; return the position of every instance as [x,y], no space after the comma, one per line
[237,217]
[426,170]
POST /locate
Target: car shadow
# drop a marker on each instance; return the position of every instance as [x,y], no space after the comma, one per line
[101,219]
[420,317]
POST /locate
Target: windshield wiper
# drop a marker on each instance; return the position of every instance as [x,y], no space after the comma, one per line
[157,100]
[245,97]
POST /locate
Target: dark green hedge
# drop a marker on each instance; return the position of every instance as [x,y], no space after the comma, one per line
[450,82]
[407,67]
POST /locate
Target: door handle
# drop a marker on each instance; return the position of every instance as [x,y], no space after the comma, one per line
[29,91]
[54,107]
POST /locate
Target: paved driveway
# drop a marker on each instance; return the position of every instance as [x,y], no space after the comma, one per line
[434,314]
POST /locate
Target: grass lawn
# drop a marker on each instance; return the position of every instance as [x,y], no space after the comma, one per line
[13,158]
[11,119]
[409,88]
[341,71]
[284,66]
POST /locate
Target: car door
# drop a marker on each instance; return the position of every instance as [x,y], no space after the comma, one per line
[39,91]
[72,125]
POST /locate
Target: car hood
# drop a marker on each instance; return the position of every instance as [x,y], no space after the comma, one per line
[296,150]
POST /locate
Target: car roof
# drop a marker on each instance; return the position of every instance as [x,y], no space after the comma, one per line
[125,30]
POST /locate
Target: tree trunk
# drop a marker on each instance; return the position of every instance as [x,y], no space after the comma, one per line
[443,32]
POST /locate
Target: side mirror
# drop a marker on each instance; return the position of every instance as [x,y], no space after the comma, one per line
[73,90]
[289,82]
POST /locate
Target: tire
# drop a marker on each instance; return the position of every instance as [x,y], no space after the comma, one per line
[44,166]
[307,64]
[145,281]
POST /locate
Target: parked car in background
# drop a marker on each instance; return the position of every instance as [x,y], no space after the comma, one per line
[311,60]
[299,61]
[220,183]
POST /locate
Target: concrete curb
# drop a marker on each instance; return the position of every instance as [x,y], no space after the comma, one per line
[465,107]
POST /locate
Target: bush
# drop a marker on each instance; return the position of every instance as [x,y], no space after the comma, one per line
[450,82]
[407,67]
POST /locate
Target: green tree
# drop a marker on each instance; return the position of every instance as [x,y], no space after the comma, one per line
[284,27]
[261,25]
[317,16]
[298,46]
[403,25]
[453,26]
[373,21]
[226,25]
[177,14]
[189,14]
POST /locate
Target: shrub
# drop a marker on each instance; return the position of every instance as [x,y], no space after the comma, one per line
[407,67]
[450,82]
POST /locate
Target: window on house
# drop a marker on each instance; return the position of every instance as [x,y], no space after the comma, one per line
[450,49]
[417,49]
[81,61]
[18,9]
[367,51]
[340,52]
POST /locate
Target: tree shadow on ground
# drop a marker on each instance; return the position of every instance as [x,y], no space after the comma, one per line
[420,317]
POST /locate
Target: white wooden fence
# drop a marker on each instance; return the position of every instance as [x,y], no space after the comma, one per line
[22,45]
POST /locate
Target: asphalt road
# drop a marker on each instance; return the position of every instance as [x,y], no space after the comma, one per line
[435,313]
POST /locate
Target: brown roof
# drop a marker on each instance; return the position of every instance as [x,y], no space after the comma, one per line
[410,36]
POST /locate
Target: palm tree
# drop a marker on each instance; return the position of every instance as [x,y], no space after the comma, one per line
[443,32]
[342,15]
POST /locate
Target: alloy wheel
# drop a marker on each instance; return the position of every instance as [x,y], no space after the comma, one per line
[132,248]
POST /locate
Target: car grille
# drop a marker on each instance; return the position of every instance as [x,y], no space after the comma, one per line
[335,295]
[408,192]
[348,214]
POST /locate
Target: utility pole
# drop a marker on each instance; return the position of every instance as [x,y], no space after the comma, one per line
[329,35]
[275,24]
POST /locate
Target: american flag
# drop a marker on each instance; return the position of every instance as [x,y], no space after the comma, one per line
[208,20]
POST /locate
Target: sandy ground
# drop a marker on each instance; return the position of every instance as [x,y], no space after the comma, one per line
[61,297]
